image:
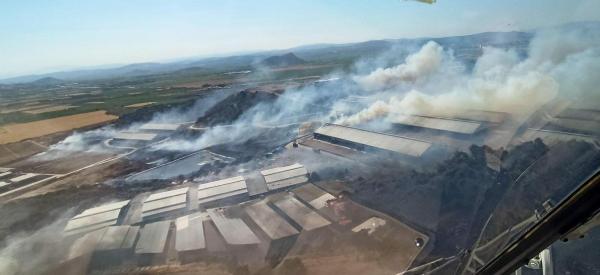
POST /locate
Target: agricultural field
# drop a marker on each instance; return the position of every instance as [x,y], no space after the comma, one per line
[49,109]
[18,150]
[22,131]
[35,101]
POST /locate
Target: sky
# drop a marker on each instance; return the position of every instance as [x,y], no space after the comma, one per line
[44,36]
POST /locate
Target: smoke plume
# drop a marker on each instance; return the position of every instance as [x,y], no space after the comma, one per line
[418,65]
[560,63]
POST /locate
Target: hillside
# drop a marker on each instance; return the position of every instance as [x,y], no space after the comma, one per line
[286,60]
[232,107]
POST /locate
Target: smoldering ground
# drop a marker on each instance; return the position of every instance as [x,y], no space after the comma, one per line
[559,63]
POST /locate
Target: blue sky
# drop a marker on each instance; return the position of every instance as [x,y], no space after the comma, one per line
[42,36]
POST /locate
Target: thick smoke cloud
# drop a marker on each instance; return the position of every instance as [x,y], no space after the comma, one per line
[419,65]
[432,81]
[560,63]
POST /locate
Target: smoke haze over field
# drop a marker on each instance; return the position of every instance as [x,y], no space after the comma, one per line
[34,252]
[432,81]
[90,141]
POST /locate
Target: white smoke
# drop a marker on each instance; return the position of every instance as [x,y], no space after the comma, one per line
[190,114]
[34,252]
[289,109]
[94,141]
[430,81]
[559,63]
[418,65]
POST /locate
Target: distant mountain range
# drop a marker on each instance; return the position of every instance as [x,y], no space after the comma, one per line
[293,56]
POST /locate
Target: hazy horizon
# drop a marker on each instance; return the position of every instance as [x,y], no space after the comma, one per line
[67,35]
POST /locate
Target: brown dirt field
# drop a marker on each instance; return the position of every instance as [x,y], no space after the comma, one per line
[15,151]
[21,109]
[22,131]
[345,264]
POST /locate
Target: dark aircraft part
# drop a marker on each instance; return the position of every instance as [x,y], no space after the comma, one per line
[426,1]
[573,211]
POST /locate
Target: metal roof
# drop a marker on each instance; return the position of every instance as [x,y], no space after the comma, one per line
[165,194]
[256,185]
[103,208]
[23,177]
[285,176]
[443,124]
[233,229]
[84,245]
[165,202]
[95,218]
[286,172]
[287,182]
[190,232]
[135,136]
[313,195]
[586,126]
[153,237]
[163,206]
[89,228]
[269,221]
[300,213]
[281,169]
[3,183]
[104,218]
[221,189]
[5,173]
[160,126]
[481,115]
[402,145]
[118,237]
[586,114]
[330,148]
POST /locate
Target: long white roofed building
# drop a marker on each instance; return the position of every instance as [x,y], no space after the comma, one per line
[285,176]
[452,126]
[365,140]
[222,189]
[95,218]
[163,203]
